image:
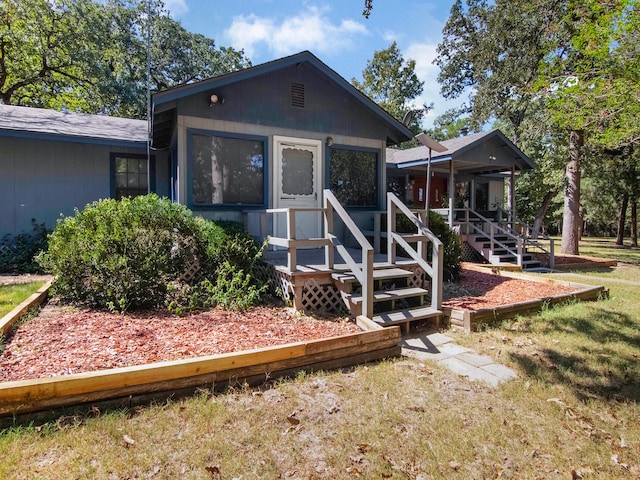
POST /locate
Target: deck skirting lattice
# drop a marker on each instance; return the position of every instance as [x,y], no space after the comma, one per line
[315,293]
[280,283]
[317,297]
[470,254]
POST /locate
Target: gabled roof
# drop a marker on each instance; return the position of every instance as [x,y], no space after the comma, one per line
[41,123]
[481,153]
[160,99]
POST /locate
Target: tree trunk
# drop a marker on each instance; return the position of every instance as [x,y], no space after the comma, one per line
[634,223]
[571,216]
[542,211]
[622,218]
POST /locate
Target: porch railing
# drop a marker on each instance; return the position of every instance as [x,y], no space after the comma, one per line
[469,226]
[362,271]
[422,239]
[290,242]
[534,243]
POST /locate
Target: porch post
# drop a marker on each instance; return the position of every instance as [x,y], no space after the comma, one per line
[452,187]
[512,198]
[428,191]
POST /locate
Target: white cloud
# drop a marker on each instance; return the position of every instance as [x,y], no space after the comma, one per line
[311,29]
[177,8]
[424,54]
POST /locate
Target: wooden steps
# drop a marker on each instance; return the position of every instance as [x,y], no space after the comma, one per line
[503,253]
[395,301]
[406,315]
[386,295]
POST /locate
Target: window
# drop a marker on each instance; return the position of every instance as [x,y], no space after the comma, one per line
[227,170]
[130,175]
[353,176]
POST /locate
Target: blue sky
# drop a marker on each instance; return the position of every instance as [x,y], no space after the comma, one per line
[334,30]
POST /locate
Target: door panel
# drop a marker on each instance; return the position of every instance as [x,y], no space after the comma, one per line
[297,183]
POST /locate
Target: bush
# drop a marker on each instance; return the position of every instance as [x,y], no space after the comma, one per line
[142,253]
[450,241]
[451,244]
[17,252]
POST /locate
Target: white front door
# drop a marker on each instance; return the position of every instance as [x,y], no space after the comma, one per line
[298,183]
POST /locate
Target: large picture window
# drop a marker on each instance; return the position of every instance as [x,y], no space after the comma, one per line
[353,176]
[130,175]
[227,170]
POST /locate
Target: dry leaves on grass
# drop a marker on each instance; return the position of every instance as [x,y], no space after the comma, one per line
[62,341]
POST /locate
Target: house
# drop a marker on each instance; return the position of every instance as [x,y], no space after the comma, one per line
[472,184]
[274,136]
[53,162]
[288,147]
[474,167]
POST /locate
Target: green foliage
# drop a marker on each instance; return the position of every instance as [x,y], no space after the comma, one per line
[141,253]
[450,241]
[91,56]
[451,244]
[391,82]
[234,289]
[17,252]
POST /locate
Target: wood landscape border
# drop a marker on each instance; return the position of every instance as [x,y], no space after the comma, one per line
[471,320]
[34,300]
[250,366]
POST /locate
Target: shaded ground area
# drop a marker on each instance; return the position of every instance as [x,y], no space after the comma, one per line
[63,340]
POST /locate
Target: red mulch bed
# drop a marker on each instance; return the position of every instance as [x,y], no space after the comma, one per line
[486,290]
[62,341]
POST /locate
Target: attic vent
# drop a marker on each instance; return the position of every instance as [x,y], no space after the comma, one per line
[297,95]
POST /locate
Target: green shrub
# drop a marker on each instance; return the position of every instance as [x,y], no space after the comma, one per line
[139,253]
[17,252]
[451,244]
[450,240]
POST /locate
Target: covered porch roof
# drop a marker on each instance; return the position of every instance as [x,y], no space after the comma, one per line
[483,153]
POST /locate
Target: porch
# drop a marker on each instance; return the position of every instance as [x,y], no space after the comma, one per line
[340,270]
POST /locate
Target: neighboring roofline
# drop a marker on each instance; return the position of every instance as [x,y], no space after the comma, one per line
[418,163]
[174,93]
[475,141]
[54,125]
[62,137]
[495,133]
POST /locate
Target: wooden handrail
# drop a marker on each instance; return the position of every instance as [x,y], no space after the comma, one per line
[394,204]
[364,273]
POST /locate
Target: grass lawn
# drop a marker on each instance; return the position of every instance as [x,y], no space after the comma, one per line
[571,413]
[12,295]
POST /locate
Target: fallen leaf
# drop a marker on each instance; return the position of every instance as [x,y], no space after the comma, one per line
[557,401]
[293,420]
[363,447]
[214,470]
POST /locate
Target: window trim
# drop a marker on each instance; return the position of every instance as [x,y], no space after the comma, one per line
[379,177]
[226,206]
[151,188]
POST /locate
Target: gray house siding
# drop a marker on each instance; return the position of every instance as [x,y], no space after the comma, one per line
[43,179]
[266,101]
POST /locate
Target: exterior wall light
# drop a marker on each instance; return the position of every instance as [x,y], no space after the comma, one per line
[215,100]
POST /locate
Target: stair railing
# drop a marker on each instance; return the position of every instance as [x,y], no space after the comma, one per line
[419,255]
[528,241]
[363,271]
[494,230]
